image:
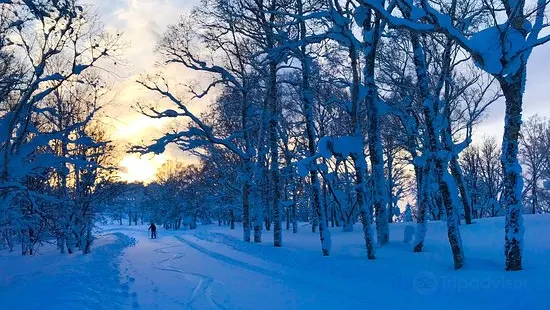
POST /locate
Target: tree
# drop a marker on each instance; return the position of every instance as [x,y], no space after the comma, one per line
[51,47]
[516,36]
[533,155]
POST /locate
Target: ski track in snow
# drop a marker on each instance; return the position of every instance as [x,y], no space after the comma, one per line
[203,286]
[159,269]
[230,260]
[296,278]
[211,268]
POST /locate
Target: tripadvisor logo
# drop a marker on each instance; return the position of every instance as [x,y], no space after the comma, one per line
[426,283]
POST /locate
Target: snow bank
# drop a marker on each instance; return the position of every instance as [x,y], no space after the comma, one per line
[50,280]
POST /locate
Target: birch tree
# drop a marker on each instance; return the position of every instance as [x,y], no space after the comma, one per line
[53,44]
[502,49]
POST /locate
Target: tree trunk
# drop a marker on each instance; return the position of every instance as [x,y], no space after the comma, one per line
[332,217]
[448,195]
[422,200]
[294,219]
[512,88]
[61,244]
[365,213]
[534,195]
[246,189]
[390,187]
[260,195]
[246,211]
[464,195]
[88,239]
[374,134]
[23,243]
[359,160]
[274,155]
[9,240]
[307,100]
[287,216]
[69,238]
[232,220]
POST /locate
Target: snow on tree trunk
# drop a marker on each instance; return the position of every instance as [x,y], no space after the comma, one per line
[294,219]
[307,100]
[324,232]
[450,201]
[246,210]
[390,188]
[247,161]
[365,212]
[260,178]
[232,219]
[512,88]
[274,155]
[69,239]
[376,153]
[445,181]
[447,135]
[87,240]
[261,182]
[359,160]
[422,201]
[8,238]
[287,216]
[458,176]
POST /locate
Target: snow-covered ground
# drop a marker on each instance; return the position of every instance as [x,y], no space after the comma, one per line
[210,268]
[49,280]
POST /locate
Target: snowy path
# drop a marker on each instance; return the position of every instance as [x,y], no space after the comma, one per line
[174,272]
[211,268]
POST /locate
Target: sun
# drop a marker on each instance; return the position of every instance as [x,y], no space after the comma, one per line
[134,168]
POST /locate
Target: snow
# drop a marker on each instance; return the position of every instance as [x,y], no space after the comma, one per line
[305,165]
[341,147]
[211,268]
[324,147]
[489,44]
[170,113]
[54,281]
[77,69]
[53,77]
[360,15]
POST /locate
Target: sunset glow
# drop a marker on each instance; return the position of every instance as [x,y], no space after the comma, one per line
[140,169]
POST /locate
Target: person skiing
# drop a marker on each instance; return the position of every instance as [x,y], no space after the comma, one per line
[153,230]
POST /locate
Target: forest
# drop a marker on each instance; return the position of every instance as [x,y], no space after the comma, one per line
[328,113]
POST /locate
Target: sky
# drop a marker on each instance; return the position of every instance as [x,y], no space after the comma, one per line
[142,22]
